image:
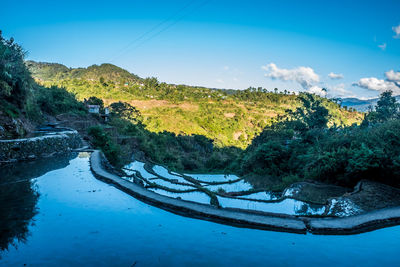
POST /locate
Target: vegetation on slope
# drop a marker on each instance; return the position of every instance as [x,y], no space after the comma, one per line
[299,147]
[22,97]
[302,137]
[229,118]
[304,148]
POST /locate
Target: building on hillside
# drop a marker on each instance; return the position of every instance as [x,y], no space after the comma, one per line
[106,114]
[94,109]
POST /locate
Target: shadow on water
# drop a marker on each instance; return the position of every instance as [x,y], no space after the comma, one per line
[18,196]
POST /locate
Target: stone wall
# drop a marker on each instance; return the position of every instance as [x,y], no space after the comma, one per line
[31,148]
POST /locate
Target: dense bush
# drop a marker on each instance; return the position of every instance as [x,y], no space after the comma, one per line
[303,147]
[15,79]
[20,94]
[56,100]
[102,140]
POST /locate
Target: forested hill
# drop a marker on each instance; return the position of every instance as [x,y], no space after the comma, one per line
[230,118]
[55,71]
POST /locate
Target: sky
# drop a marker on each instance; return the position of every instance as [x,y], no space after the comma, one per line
[351,48]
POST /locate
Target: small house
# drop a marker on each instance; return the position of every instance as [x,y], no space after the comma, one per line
[94,109]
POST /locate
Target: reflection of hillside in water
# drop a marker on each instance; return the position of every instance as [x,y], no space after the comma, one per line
[18,196]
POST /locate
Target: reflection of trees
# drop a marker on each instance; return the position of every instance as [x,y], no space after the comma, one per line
[301,209]
[307,209]
[18,196]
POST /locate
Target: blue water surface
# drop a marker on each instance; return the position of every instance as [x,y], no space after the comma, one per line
[83,221]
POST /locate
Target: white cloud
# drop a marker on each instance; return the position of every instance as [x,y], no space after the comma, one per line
[220,81]
[335,76]
[339,90]
[393,76]
[382,46]
[317,90]
[396,30]
[375,84]
[226,67]
[305,76]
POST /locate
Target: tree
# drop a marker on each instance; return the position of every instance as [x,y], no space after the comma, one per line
[101,80]
[15,79]
[125,111]
[311,115]
[386,109]
[151,83]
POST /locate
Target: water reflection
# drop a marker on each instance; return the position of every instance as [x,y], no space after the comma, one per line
[82,221]
[195,196]
[220,185]
[18,197]
[213,178]
[285,206]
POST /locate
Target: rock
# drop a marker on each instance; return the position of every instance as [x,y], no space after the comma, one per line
[342,207]
[32,148]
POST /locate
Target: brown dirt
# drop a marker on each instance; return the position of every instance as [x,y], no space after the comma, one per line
[143,105]
[229,115]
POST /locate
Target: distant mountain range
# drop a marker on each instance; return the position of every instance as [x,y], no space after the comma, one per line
[361,105]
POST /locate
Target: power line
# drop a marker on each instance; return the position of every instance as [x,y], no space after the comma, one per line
[126,48]
[163,29]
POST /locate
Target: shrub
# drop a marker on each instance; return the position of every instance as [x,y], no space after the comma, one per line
[102,140]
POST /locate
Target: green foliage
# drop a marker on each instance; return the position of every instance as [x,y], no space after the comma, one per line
[386,109]
[20,95]
[95,101]
[32,109]
[56,100]
[110,148]
[311,114]
[126,111]
[178,152]
[338,155]
[15,80]
[228,117]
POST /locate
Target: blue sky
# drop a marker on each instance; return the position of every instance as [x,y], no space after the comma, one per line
[291,45]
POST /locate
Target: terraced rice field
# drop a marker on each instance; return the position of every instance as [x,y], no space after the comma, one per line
[221,190]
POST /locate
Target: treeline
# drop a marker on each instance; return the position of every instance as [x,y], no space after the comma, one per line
[20,95]
[178,152]
[313,140]
[299,147]
[303,147]
[228,117]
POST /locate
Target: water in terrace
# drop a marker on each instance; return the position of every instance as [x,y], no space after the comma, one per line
[195,196]
[286,206]
[232,183]
[213,177]
[54,212]
[138,166]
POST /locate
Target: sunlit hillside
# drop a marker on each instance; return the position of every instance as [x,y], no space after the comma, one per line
[230,118]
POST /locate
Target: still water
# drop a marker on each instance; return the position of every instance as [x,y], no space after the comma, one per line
[55,213]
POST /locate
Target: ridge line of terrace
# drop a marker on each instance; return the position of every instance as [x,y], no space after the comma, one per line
[274,222]
[54,135]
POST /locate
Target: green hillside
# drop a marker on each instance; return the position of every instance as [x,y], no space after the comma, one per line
[272,139]
[230,118]
[23,102]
